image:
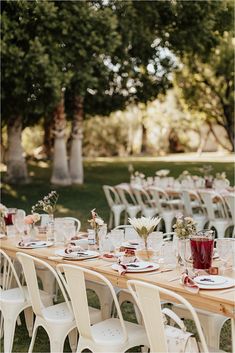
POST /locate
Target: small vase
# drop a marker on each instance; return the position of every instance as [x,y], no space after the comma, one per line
[145,254]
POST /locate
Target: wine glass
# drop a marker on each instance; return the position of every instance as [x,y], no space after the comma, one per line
[225,248]
[19,221]
[117,238]
[184,250]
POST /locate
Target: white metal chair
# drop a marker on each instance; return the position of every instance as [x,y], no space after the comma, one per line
[111,335]
[14,300]
[57,320]
[145,202]
[128,199]
[115,205]
[218,218]
[193,208]
[148,298]
[230,201]
[166,212]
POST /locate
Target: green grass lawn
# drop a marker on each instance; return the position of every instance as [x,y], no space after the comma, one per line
[78,200]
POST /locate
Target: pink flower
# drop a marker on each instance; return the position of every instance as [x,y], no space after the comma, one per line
[32,218]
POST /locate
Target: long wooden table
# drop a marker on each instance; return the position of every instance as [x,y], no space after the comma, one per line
[216,301]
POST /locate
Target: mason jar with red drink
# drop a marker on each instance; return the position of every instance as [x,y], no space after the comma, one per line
[202,246]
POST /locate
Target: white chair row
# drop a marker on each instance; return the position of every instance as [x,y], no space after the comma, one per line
[71,317]
[208,208]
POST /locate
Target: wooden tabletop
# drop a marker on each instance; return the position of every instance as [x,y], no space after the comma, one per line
[217,301]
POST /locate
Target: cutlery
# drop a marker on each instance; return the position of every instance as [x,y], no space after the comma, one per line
[161,271]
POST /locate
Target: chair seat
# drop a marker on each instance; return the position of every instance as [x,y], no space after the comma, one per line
[14,295]
[110,332]
[58,312]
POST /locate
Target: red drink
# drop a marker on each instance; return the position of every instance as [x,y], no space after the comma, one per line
[202,252]
[8,218]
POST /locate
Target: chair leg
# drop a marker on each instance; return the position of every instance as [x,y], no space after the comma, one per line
[35,328]
[110,220]
[9,331]
[56,346]
[29,316]
[117,218]
[73,339]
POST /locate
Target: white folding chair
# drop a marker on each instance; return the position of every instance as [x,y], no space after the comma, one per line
[14,298]
[218,217]
[193,208]
[147,297]
[128,199]
[57,320]
[230,201]
[115,205]
[111,335]
[144,200]
[165,209]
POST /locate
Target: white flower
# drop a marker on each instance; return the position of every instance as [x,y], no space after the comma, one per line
[162,173]
[144,225]
[36,217]
[99,221]
[3,210]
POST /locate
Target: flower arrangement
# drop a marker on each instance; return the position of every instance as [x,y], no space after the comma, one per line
[221,176]
[206,170]
[162,173]
[184,227]
[185,175]
[96,223]
[144,226]
[32,218]
[47,204]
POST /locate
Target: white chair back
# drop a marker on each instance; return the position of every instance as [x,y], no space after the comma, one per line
[207,198]
[147,297]
[76,222]
[130,232]
[28,263]
[142,197]
[75,278]
[159,195]
[230,201]
[111,195]
[9,273]
[126,195]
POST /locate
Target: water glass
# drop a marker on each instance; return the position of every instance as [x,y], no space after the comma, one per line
[19,221]
[69,231]
[169,254]
[226,251]
[117,238]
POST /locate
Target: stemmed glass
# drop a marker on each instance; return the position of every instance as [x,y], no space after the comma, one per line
[19,222]
[117,238]
[185,252]
[225,251]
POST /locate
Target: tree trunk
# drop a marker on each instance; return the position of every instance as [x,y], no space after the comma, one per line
[144,139]
[48,137]
[16,165]
[60,172]
[76,163]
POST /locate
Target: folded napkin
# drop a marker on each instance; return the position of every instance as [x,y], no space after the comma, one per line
[72,247]
[123,268]
[188,282]
[27,243]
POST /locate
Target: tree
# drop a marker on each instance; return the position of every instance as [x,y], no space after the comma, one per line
[208,88]
[31,80]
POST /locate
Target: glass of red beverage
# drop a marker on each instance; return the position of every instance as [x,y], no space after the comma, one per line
[202,245]
[8,218]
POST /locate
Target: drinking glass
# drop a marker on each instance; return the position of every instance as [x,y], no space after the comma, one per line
[184,252]
[202,245]
[117,238]
[155,242]
[9,217]
[225,248]
[19,222]
[69,231]
[169,254]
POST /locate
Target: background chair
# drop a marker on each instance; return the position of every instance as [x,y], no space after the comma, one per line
[129,200]
[193,208]
[115,205]
[230,202]
[145,202]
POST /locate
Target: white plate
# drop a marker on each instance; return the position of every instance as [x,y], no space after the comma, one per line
[78,254]
[210,280]
[36,244]
[230,282]
[143,266]
[131,244]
